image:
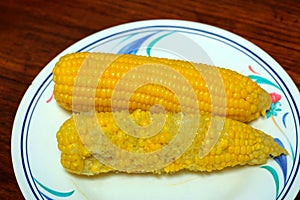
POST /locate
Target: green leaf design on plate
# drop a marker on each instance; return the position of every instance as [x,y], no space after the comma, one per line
[261,80]
[275,176]
[153,42]
[54,192]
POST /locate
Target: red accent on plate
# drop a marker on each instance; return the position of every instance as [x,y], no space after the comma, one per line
[49,100]
[275,97]
[251,69]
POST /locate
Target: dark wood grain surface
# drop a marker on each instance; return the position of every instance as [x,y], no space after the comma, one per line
[33,32]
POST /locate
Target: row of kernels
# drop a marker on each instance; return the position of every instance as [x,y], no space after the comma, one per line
[72,161]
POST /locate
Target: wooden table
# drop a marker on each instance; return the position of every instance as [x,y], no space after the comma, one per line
[33,32]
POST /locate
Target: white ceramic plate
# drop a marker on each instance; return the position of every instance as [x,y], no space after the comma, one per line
[34,148]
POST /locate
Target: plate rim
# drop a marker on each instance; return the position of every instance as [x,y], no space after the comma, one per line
[129,26]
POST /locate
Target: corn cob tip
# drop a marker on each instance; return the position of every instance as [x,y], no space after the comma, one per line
[264,102]
[271,148]
[278,151]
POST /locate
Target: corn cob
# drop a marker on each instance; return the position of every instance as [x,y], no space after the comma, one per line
[237,144]
[85,81]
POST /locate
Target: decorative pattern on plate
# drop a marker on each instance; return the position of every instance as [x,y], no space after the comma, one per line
[275,108]
[55,193]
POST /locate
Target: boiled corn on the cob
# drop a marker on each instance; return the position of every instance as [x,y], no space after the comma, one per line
[86,81]
[237,144]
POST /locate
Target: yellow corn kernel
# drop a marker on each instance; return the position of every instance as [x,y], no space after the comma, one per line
[225,153]
[79,80]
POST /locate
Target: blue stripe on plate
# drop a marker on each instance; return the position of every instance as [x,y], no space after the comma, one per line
[25,154]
